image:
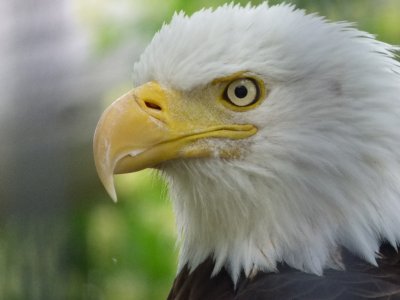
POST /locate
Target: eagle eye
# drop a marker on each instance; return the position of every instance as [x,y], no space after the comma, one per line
[242,92]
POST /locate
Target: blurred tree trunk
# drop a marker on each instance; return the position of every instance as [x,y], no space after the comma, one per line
[49,106]
[41,54]
[42,59]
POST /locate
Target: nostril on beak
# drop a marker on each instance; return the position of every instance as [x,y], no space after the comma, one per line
[152,105]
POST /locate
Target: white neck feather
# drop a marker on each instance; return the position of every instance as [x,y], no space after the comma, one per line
[249,218]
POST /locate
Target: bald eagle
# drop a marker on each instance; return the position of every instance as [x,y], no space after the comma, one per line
[279,135]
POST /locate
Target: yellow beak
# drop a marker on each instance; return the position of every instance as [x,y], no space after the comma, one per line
[149,125]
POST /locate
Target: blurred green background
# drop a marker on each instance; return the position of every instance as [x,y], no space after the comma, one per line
[61,63]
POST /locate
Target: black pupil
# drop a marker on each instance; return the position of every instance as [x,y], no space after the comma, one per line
[241,91]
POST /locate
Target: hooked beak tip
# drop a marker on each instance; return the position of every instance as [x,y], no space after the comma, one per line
[110,188]
[105,170]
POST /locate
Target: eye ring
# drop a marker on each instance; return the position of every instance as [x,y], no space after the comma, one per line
[242,92]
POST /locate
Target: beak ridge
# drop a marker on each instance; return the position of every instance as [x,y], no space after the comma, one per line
[123,127]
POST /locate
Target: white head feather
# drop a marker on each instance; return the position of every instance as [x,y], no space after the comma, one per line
[324,168]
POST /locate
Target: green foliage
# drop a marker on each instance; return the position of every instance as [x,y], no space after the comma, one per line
[131,244]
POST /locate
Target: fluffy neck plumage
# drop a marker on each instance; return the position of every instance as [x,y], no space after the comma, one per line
[248,218]
[239,216]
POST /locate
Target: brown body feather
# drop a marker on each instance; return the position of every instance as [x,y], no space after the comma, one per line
[360,280]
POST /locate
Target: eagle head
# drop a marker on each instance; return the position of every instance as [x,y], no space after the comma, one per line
[277,131]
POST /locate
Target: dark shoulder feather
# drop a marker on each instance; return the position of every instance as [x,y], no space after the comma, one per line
[360,280]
